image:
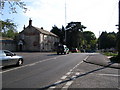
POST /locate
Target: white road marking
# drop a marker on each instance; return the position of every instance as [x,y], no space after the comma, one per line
[32,64]
[68,73]
[55,84]
[58,82]
[14,69]
[64,77]
[109,57]
[67,85]
[110,75]
[73,76]
[77,73]
[53,87]
[76,66]
[86,58]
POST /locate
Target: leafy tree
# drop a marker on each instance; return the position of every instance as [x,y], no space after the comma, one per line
[8,28]
[107,40]
[75,26]
[112,40]
[74,34]
[59,32]
[102,40]
[13,4]
[90,39]
[63,35]
[88,36]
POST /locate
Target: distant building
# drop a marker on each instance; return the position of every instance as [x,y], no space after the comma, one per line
[7,44]
[36,39]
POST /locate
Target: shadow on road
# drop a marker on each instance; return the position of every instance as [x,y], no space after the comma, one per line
[56,54]
[77,76]
[52,55]
[9,67]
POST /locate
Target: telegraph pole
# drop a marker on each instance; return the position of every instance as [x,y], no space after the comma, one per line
[119,30]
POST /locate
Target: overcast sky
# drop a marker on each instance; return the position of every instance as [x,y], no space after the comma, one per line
[96,15]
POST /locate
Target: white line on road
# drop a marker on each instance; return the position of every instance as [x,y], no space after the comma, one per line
[68,73]
[58,82]
[77,73]
[110,75]
[75,66]
[32,64]
[64,77]
[85,58]
[67,85]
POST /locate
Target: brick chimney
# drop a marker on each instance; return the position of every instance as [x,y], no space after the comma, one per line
[24,27]
[30,22]
[41,27]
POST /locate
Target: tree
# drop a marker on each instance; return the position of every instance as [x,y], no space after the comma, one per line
[107,40]
[59,32]
[88,36]
[63,35]
[74,34]
[102,41]
[112,40]
[13,4]
[8,28]
[90,39]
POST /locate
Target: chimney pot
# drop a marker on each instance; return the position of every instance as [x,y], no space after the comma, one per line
[24,27]
[41,27]
[30,22]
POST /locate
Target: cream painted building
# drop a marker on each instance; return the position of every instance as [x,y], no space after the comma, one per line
[36,39]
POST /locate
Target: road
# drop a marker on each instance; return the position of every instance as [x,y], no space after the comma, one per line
[48,70]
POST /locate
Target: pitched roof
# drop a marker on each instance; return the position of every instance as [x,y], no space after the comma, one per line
[40,29]
[45,32]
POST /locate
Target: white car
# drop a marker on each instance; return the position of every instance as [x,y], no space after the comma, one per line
[62,49]
[8,58]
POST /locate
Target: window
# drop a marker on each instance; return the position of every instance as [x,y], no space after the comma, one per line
[8,53]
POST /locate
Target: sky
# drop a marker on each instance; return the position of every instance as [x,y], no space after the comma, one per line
[96,15]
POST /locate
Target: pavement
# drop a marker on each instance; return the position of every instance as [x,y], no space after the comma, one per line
[104,61]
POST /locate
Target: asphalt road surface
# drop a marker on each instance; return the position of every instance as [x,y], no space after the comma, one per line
[49,71]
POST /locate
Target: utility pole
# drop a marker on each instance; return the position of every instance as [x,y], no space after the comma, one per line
[119,30]
[65,21]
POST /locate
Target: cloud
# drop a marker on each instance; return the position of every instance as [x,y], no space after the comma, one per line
[95,14]
[46,12]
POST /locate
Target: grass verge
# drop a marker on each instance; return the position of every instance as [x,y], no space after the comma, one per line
[110,54]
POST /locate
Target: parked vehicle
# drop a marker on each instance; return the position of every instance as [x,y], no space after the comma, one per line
[62,49]
[8,58]
[74,50]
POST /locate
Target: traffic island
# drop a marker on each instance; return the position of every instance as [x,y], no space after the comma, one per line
[115,59]
[103,61]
